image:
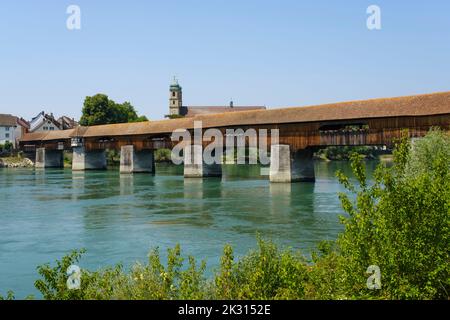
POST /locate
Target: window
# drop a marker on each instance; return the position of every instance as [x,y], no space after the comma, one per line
[51,128]
[6,135]
[174,94]
[6,128]
[45,128]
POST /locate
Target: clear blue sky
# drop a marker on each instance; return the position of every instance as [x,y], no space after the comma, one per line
[273,53]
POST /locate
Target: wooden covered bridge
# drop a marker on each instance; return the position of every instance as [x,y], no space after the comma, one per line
[377,122]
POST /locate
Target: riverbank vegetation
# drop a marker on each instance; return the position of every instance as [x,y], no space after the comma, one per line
[163,155]
[7,147]
[399,222]
[344,153]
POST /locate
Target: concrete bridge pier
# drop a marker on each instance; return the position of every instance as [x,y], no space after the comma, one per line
[291,166]
[88,160]
[136,161]
[49,158]
[195,166]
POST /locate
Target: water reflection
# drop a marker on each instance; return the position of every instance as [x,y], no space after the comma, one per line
[39,176]
[78,181]
[193,188]
[242,171]
[126,184]
[280,198]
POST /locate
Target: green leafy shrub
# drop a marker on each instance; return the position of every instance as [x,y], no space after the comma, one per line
[265,273]
[112,157]
[163,155]
[155,281]
[9,296]
[400,223]
[6,147]
[68,157]
[53,285]
[150,281]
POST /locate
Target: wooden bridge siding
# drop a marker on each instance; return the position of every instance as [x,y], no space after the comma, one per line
[49,145]
[382,131]
[139,142]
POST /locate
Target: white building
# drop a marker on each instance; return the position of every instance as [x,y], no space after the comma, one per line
[44,122]
[8,129]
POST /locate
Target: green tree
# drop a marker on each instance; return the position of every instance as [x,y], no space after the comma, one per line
[140,119]
[7,147]
[99,109]
[400,222]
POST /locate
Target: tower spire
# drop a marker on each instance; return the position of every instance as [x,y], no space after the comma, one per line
[176,98]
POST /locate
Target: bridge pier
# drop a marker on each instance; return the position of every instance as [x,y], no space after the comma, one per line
[88,160]
[136,161]
[288,166]
[46,158]
[195,166]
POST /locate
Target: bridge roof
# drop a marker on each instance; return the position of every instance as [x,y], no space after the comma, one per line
[419,105]
[192,111]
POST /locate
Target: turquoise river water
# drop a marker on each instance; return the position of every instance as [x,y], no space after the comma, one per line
[119,218]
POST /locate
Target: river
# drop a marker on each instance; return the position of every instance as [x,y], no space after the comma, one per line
[118,218]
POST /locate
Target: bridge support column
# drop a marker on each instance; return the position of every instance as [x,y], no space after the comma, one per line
[195,166]
[288,166]
[88,160]
[136,161]
[49,158]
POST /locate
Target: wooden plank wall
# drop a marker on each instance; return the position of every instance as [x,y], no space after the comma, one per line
[381,131]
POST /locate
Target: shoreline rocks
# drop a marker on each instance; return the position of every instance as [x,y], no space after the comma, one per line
[16,163]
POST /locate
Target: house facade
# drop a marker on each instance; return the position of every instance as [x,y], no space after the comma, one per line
[47,122]
[44,122]
[11,129]
[8,125]
[67,123]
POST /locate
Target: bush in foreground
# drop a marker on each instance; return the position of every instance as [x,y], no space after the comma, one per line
[400,223]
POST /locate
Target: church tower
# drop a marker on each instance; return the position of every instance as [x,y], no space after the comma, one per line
[176,98]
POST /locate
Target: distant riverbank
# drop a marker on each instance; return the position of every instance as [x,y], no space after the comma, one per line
[339,153]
